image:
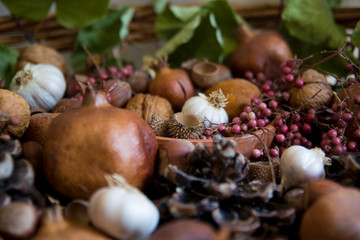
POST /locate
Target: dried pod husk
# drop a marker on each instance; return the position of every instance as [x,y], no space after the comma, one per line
[38,126]
[53,226]
[186,126]
[146,105]
[159,125]
[18,221]
[39,53]
[14,105]
[120,92]
[205,74]
[140,81]
[23,177]
[333,216]
[236,220]
[316,92]
[184,229]
[73,84]
[348,94]
[263,171]
[66,104]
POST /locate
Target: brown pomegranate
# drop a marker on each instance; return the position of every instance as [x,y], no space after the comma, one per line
[172,84]
[84,144]
[263,52]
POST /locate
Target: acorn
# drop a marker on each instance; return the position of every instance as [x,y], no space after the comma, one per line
[186,126]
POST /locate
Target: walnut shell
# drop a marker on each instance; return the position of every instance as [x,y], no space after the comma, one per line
[38,53]
[239,92]
[146,105]
[313,82]
[12,104]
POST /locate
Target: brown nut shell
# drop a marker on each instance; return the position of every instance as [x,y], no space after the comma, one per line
[14,105]
[146,105]
[38,126]
[39,53]
[316,92]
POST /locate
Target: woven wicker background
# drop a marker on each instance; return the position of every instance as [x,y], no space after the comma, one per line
[17,32]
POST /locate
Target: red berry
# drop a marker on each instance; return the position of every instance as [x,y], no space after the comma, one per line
[289,78]
[306,128]
[351,146]
[256,153]
[253,123]
[274,152]
[347,117]
[286,70]
[283,129]
[280,138]
[299,83]
[262,106]
[235,129]
[310,117]
[221,128]
[103,76]
[261,122]
[336,141]
[294,128]
[255,100]
[273,104]
[260,76]
[348,68]
[357,99]
[244,127]
[249,75]
[236,120]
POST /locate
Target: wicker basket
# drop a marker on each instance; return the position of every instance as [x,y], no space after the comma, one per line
[17,32]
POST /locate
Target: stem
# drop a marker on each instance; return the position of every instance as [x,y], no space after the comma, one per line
[29,36]
[91,57]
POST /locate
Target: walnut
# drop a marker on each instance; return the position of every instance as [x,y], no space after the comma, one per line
[146,105]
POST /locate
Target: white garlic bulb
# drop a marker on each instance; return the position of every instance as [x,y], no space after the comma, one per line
[209,109]
[299,165]
[122,211]
[41,85]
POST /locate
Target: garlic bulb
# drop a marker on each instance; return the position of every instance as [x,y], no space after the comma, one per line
[122,211]
[209,109]
[299,165]
[41,85]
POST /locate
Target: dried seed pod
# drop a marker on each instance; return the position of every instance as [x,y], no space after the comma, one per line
[66,104]
[186,126]
[159,125]
[120,92]
[6,165]
[18,220]
[23,177]
[316,91]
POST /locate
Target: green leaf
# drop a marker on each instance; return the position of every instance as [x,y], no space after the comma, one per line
[159,5]
[312,22]
[355,38]
[207,32]
[80,14]
[8,59]
[102,36]
[334,3]
[30,9]
[173,19]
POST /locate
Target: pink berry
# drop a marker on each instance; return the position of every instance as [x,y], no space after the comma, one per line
[357,99]
[290,63]
[347,117]
[299,83]
[260,76]
[283,129]
[256,153]
[265,87]
[332,133]
[310,117]
[249,75]
[266,112]
[253,123]
[261,123]
[273,104]
[221,128]
[286,70]
[294,128]
[247,109]
[280,138]
[351,146]
[357,133]
[262,106]
[274,152]
[236,120]
[289,78]
[251,116]
[91,80]
[278,122]
[335,141]
[306,128]
[255,100]
[244,127]
[113,69]
[244,116]
[103,76]
[235,129]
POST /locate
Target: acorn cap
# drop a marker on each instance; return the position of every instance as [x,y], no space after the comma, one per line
[205,74]
[186,126]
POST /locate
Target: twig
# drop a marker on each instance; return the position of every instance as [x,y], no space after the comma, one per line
[29,36]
